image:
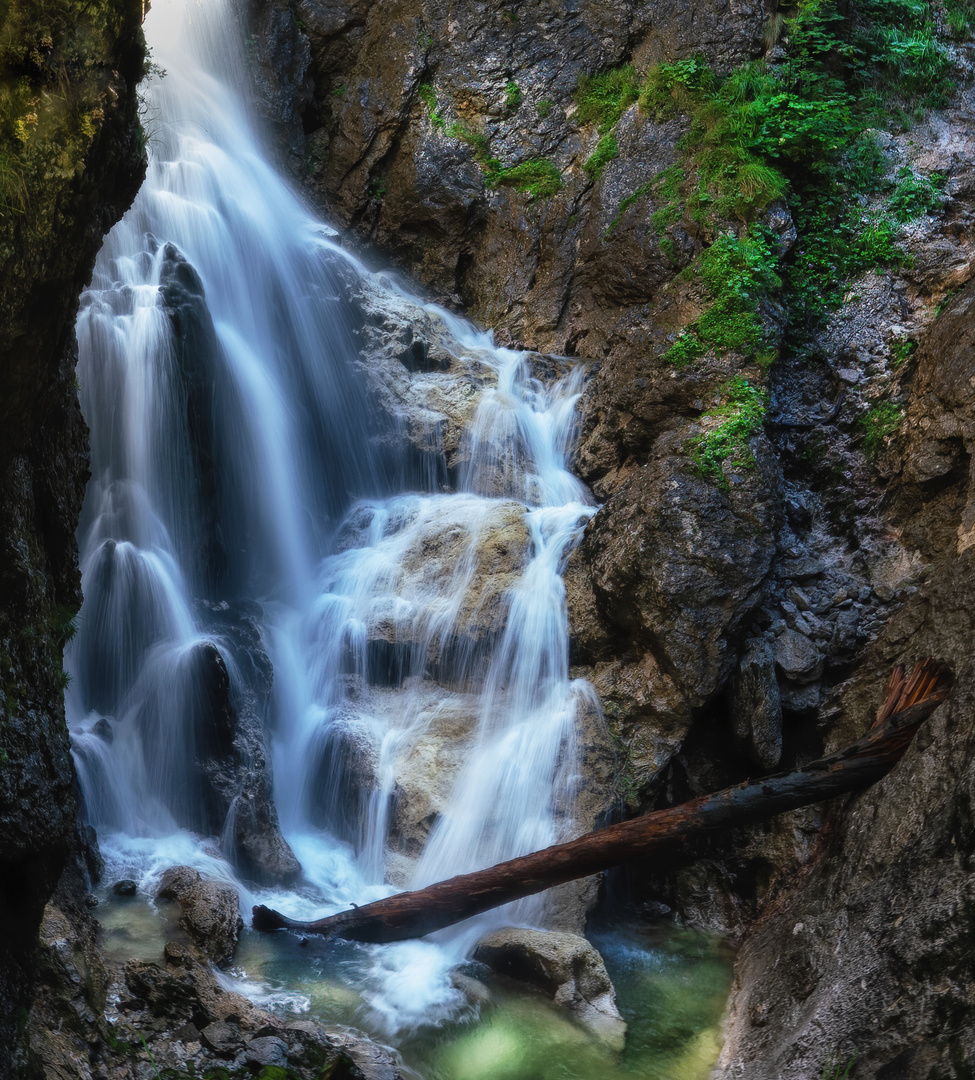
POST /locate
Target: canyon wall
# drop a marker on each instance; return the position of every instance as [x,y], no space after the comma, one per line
[72,159]
[734,619]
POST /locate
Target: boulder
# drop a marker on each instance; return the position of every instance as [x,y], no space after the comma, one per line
[563,966]
[209,910]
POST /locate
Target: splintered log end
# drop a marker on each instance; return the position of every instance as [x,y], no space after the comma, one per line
[265,918]
[928,684]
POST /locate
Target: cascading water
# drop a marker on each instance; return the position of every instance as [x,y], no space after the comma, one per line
[251,510]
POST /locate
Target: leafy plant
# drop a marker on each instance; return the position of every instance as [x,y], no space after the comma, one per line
[901,349]
[543,108]
[512,95]
[915,196]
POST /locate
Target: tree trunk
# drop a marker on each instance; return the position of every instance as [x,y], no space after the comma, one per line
[412,914]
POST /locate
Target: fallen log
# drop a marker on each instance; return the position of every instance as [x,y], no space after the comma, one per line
[908,703]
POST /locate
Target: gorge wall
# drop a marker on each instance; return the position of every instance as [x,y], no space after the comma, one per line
[71,159]
[736,616]
[732,618]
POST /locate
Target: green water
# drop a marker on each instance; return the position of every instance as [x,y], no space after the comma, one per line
[671,984]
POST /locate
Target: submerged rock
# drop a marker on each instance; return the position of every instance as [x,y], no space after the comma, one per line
[566,968]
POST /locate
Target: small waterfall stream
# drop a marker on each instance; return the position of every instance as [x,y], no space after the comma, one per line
[269,562]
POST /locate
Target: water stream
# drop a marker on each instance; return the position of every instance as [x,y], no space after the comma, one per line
[278,580]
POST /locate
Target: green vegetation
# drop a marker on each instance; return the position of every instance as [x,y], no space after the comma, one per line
[959,15]
[543,108]
[915,196]
[54,63]
[602,100]
[512,96]
[797,132]
[742,415]
[879,422]
[737,272]
[428,96]
[835,1070]
[901,350]
[537,177]
[606,149]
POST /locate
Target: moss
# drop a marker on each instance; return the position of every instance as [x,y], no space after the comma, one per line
[737,273]
[741,416]
[879,423]
[539,178]
[606,149]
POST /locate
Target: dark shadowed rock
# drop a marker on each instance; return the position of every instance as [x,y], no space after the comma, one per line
[756,707]
[797,656]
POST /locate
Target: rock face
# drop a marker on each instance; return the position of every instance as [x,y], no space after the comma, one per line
[382,94]
[727,626]
[563,966]
[679,565]
[235,771]
[79,183]
[872,945]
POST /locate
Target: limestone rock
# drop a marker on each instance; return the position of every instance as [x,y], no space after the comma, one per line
[565,967]
[679,564]
[209,911]
[797,656]
[267,1050]
[756,707]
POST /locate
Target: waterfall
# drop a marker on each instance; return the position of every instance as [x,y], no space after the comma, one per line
[278,581]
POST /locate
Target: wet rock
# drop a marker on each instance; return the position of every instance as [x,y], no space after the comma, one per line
[49,252]
[648,714]
[266,1051]
[234,764]
[125,887]
[473,989]
[369,1059]
[209,910]
[223,1039]
[564,966]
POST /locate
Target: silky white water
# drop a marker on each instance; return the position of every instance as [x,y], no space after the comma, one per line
[248,497]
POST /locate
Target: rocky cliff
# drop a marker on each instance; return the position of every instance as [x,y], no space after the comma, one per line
[759,264]
[71,158]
